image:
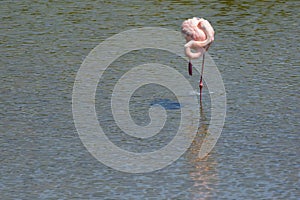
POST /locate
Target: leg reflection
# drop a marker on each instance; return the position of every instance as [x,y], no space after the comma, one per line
[203,172]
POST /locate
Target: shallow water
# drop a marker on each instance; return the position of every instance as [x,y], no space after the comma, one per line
[256,50]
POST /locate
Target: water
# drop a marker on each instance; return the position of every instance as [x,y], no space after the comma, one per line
[256,50]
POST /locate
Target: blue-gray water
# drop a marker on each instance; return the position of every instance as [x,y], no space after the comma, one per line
[256,49]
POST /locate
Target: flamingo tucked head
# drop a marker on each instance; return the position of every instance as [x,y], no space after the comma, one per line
[193,29]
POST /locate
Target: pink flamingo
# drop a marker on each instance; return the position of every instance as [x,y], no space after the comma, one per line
[199,35]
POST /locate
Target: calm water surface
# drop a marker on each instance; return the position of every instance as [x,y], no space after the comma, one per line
[256,50]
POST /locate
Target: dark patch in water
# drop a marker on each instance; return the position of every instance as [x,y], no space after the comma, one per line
[166,103]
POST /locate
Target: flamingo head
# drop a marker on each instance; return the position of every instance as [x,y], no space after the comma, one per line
[192,29]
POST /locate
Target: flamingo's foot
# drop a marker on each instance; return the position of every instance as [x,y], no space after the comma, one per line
[190,67]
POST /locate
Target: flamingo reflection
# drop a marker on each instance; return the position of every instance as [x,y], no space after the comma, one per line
[203,171]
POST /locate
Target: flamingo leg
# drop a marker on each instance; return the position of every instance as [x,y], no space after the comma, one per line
[201,86]
[201,78]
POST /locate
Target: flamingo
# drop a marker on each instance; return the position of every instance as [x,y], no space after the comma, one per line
[199,34]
